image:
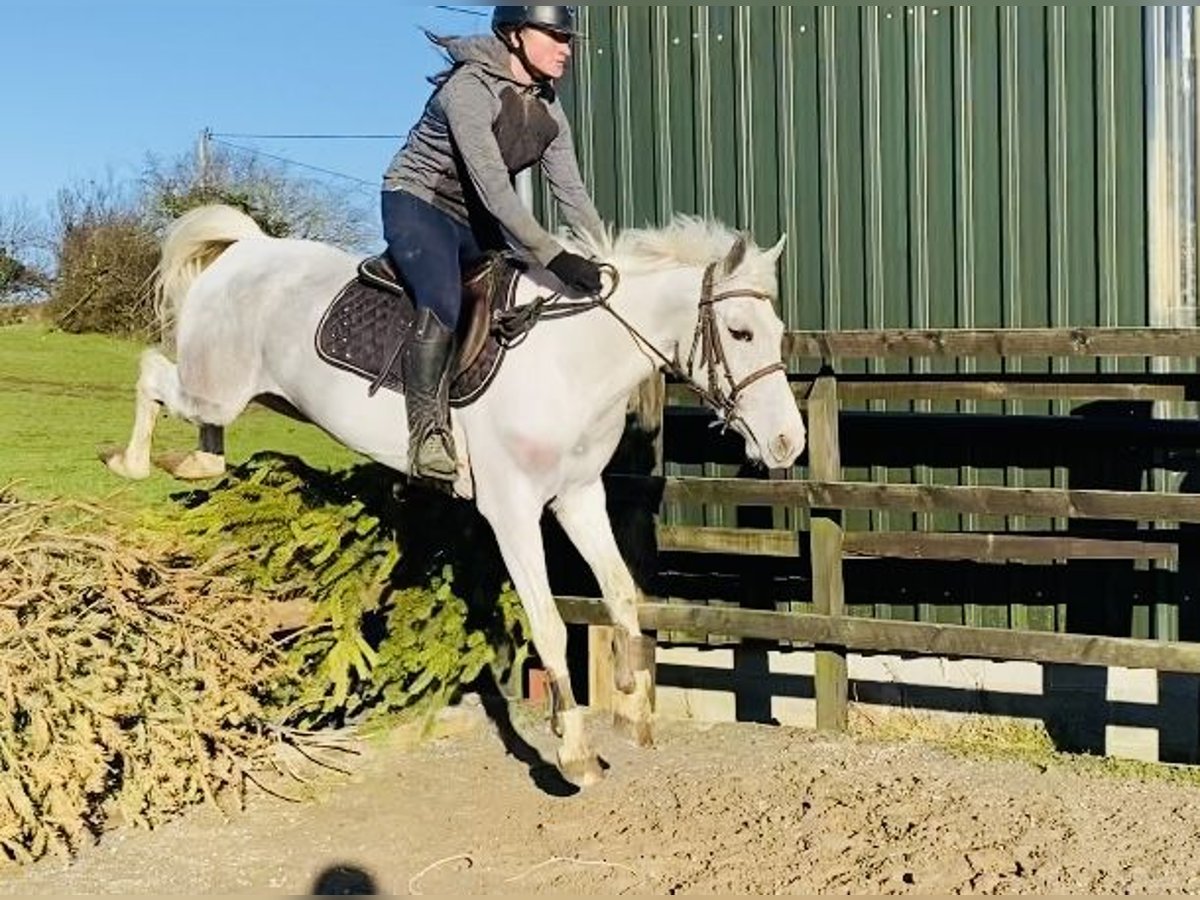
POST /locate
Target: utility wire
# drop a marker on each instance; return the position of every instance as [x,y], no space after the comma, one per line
[466,11]
[310,137]
[292,162]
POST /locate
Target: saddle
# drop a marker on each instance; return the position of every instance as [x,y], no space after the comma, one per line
[365,328]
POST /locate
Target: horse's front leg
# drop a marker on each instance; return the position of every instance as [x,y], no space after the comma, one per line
[583,514]
[516,521]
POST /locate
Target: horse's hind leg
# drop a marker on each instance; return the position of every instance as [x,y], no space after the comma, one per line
[157,386]
[134,460]
[207,461]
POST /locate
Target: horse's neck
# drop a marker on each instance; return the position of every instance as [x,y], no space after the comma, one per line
[662,306]
[597,357]
[652,310]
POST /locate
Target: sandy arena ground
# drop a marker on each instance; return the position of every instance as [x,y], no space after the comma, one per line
[729,808]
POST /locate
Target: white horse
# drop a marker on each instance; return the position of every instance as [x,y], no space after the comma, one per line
[694,296]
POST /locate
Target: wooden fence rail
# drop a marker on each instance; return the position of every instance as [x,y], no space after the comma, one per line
[993,342]
[975,546]
[855,633]
[1001,501]
[825,495]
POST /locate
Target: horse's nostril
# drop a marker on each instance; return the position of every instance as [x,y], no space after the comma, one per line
[781,446]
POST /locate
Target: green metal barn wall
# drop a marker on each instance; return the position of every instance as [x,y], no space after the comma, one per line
[932,167]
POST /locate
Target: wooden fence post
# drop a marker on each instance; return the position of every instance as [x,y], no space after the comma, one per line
[825,464]
[600,667]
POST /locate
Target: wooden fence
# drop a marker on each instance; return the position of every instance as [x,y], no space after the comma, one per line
[824,494]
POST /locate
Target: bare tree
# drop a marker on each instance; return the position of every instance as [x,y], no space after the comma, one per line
[106,233]
[283,203]
[105,254]
[24,242]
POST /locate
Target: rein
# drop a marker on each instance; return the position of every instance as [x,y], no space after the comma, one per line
[512,327]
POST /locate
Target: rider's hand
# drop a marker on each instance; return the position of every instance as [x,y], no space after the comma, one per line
[576,273]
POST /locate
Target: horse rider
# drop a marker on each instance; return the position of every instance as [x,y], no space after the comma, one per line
[448,196]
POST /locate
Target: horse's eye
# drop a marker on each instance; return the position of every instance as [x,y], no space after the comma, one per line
[741,334]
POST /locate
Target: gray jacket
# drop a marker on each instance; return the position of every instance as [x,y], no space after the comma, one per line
[480,128]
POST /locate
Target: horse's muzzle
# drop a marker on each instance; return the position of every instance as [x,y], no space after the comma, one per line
[784,449]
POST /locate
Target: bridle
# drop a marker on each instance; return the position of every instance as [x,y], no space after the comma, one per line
[707,339]
[721,393]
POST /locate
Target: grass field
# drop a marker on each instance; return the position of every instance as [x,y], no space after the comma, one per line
[63,396]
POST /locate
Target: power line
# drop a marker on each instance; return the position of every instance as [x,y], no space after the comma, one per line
[292,162]
[466,11]
[310,137]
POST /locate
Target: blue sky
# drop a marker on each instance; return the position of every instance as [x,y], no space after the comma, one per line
[90,87]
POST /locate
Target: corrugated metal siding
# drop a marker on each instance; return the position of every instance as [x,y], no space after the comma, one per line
[879,138]
[952,166]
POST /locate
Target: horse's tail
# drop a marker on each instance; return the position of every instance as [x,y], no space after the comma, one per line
[192,244]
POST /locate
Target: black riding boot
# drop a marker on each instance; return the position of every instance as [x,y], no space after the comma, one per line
[427,360]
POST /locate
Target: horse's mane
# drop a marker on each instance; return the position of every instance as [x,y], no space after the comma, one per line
[685,241]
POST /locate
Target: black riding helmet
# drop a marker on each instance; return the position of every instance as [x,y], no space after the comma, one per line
[559,19]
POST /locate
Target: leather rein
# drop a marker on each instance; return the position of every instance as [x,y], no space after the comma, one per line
[721,392]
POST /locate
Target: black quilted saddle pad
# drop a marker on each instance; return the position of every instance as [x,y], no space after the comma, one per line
[365,326]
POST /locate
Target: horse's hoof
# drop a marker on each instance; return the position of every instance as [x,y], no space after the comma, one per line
[637,731]
[114,459]
[194,466]
[582,773]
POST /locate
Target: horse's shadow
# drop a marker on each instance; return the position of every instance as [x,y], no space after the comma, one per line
[544,775]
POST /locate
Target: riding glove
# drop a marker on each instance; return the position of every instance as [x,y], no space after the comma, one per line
[576,273]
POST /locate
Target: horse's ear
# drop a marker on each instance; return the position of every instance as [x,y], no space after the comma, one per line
[777,251]
[737,255]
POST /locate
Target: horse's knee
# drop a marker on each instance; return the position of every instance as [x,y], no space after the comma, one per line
[157,378]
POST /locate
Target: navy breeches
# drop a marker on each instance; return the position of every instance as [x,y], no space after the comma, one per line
[429,250]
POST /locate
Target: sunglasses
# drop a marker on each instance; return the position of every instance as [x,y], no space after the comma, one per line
[562,37]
